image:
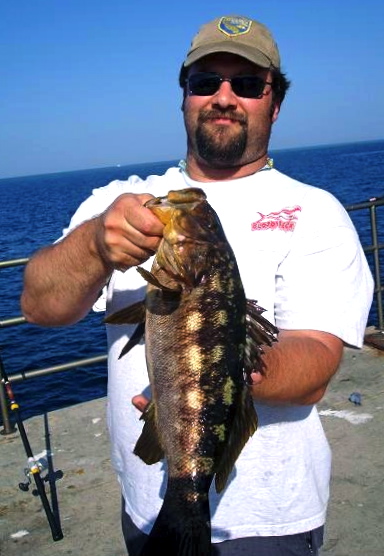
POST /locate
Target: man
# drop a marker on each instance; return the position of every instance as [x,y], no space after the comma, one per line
[298,255]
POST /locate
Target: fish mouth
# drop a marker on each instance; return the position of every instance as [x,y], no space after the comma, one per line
[190,234]
[182,212]
[186,199]
[187,218]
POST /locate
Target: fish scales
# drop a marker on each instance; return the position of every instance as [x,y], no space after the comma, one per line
[197,324]
[193,368]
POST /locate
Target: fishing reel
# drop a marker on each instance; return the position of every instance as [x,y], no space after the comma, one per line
[38,466]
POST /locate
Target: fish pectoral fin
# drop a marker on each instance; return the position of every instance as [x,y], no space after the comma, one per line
[134,339]
[151,279]
[148,446]
[129,315]
[259,332]
[243,427]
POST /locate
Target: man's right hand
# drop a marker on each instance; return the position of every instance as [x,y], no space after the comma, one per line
[62,281]
[127,233]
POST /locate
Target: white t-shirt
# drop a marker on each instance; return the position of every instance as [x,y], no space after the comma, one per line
[299,256]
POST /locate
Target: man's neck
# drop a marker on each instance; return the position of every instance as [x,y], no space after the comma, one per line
[200,171]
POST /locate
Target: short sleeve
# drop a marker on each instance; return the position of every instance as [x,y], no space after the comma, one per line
[324,282]
[100,199]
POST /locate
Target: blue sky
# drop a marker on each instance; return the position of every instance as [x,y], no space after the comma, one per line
[89,83]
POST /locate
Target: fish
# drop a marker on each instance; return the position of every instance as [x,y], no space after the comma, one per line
[203,339]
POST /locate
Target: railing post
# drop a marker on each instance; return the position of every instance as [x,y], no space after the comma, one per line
[8,428]
[376,258]
[375,248]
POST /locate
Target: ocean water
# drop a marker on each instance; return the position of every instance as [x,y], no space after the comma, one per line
[35,209]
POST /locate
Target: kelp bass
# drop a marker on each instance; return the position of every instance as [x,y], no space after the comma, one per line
[203,338]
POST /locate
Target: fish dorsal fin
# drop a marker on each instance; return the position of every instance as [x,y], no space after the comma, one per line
[243,427]
[259,332]
[148,446]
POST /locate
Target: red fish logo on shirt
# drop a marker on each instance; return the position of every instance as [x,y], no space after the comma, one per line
[284,219]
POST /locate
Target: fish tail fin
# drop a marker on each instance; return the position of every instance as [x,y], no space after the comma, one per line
[181,528]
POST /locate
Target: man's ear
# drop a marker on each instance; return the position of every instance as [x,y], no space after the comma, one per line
[275,110]
[184,97]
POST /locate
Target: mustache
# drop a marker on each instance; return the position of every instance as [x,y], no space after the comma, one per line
[206,115]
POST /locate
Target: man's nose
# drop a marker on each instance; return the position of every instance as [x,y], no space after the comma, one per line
[225,96]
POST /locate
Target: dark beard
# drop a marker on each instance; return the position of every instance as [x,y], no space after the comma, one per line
[219,150]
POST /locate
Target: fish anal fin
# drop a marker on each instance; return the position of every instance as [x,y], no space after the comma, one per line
[148,446]
[243,427]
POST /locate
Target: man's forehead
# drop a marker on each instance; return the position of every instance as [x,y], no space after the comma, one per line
[225,59]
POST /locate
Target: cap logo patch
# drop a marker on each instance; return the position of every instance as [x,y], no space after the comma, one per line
[234,26]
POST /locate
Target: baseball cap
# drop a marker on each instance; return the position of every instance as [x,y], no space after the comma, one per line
[237,35]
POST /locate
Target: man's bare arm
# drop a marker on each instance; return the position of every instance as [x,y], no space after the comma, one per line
[298,367]
[62,281]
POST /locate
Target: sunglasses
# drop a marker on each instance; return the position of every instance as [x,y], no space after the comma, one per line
[205,84]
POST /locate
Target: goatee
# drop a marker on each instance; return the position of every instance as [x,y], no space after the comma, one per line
[219,147]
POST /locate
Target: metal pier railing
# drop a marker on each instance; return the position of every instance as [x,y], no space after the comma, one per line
[373,249]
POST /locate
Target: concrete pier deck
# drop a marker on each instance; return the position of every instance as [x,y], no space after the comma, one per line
[89,496]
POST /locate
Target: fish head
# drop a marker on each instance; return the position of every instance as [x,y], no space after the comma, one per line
[192,234]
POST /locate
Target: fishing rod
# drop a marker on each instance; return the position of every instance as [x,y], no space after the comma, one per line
[34,467]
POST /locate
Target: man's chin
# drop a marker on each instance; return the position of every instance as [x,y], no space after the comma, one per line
[220,160]
[220,148]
